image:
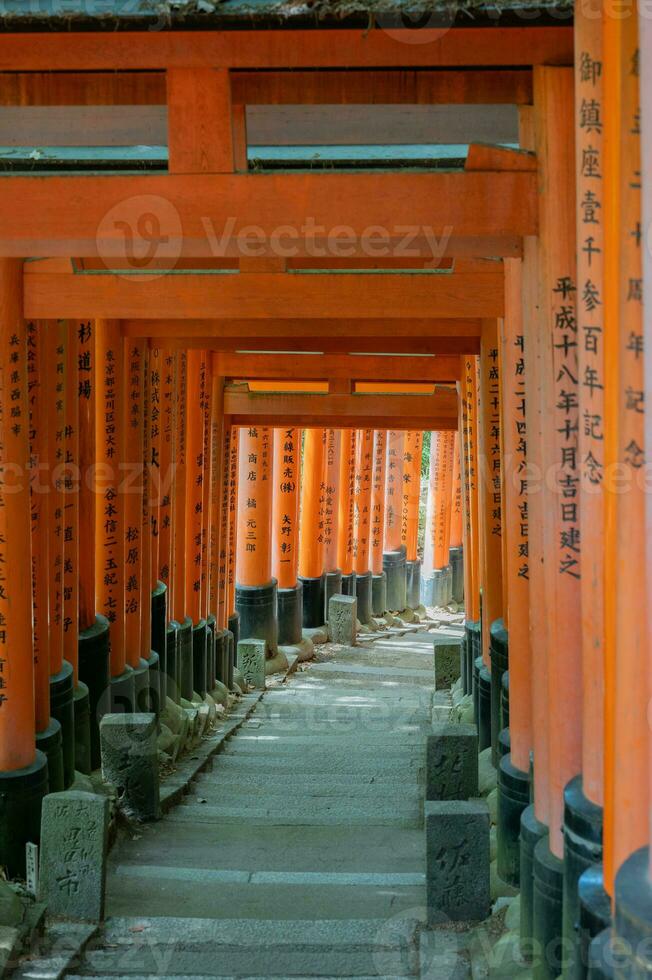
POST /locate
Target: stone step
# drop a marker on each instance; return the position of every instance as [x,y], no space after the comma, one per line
[274,848]
[299,812]
[364,673]
[293,782]
[200,892]
[361,764]
[391,749]
[347,732]
[293,793]
[169,947]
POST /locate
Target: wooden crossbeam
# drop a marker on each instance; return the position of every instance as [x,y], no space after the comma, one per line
[263,296]
[352,87]
[350,48]
[445,346]
[290,214]
[325,367]
[437,411]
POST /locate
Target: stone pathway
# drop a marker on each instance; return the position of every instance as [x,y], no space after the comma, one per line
[301,853]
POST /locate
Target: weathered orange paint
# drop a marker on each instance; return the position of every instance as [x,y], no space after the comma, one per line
[179,607]
[132,489]
[489,483]
[393,490]
[378,500]
[216,570]
[71,482]
[345,502]
[285,507]
[17,718]
[156,422]
[254,553]
[440,482]
[233,517]
[194,483]
[55,399]
[330,498]
[470,410]
[38,426]
[223,567]
[456,508]
[364,453]
[207,514]
[411,492]
[86,381]
[164,475]
[311,534]
[554,130]
[109,502]
[514,515]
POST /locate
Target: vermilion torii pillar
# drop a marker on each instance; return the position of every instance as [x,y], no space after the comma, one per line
[378,575]
[23,769]
[165,494]
[149,532]
[330,514]
[94,668]
[436,579]
[285,534]
[158,438]
[410,514]
[194,516]
[345,511]
[361,521]
[468,411]
[311,532]
[48,729]
[393,549]
[110,523]
[456,550]
[255,591]
[234,615]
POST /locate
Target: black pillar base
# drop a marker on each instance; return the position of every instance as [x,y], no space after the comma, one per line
[548,894]
[498,652]
[413,583]
[62,707]
[363,594]
[159,623]
[633,916]
[314,601]
[470,630]
[141,686]
[222,656]
[594,917]
[532,831]
[504,701]
[199,655]
[234,628]
[258,609]
[332,586]
[348,584]
[231,648]
[211,625]
[513,799]
[122,693]
[477,664]
[290,615]
[155,681]
[582,849]
[456,562]
[504,744]
[49,742]
[436,586]
[95,673]
[184,658]
[81,708]
[394,566]
[379,594]
[21,792]
[603,957]
[483,717]
[171,679]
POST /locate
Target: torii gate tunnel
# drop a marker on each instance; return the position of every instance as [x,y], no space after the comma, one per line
[254,278]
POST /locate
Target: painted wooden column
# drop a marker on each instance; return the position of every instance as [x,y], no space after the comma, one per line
[61,670]
[132,489]
[364,453]
[412,449]
[394,563]
[437,578]
[514,765]
[256,589]
[23,768]
[165,476]
[149,578]
[345,510]
[48,729]
[216,550]
[554,132]
[456,550]
[379,576]
[285,534]
[469,428]
[330,492]
[195,681]
[234,615]
[184,624]
[311,531]
[155,415]
[223,616]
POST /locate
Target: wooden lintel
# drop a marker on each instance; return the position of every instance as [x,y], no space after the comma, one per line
[483,156]
[344,48]
[325,215]
[263,296]
[406,411]
[336,367]
[443,346]
[393,87]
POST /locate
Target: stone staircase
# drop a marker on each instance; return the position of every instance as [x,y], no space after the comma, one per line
[301,853]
